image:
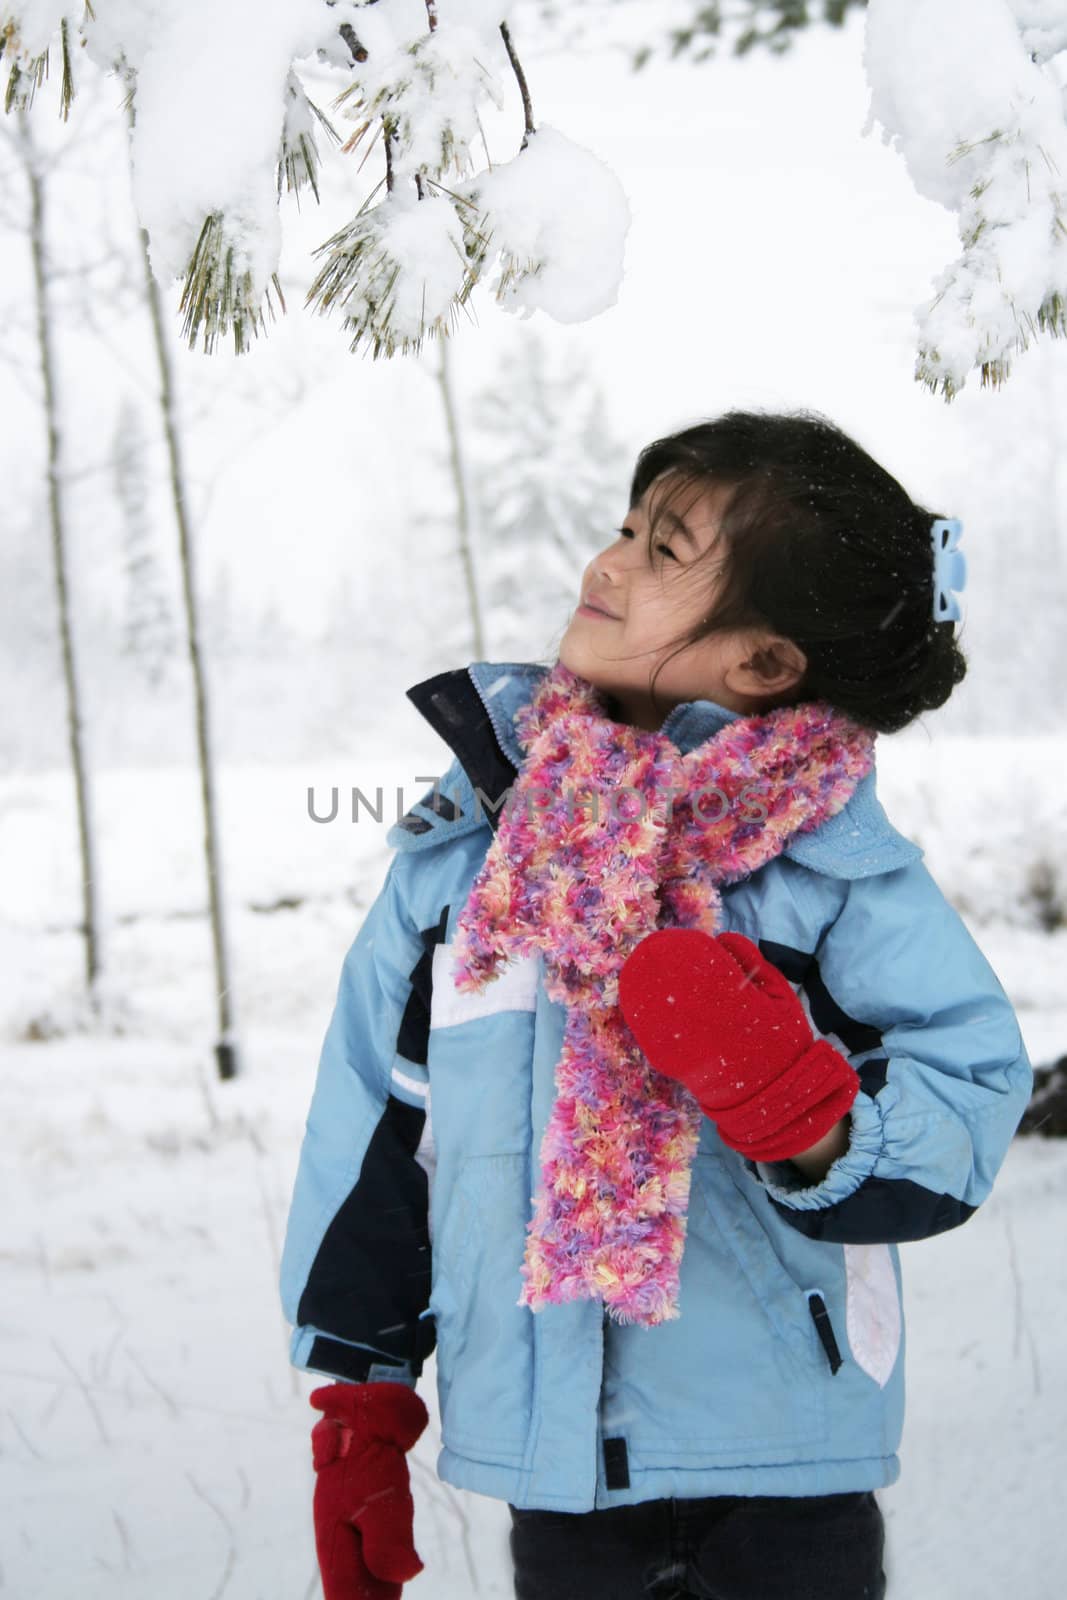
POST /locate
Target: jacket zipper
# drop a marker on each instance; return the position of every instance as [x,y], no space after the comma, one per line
[600,1408]
[825,1329]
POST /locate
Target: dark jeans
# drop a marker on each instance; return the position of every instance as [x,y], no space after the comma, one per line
[763,1547]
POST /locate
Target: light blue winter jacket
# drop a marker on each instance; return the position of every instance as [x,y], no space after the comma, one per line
[784,1373]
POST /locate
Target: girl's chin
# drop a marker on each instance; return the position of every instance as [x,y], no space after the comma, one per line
[586,665]
[572,655]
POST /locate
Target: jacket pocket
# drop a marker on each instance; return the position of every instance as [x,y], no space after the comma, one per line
[783,1303]
[484,1338]
[739,1377]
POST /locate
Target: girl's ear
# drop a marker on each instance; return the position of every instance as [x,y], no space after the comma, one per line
[775,666]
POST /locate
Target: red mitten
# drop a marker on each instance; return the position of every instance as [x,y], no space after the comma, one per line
[364,1513]
[715,1014]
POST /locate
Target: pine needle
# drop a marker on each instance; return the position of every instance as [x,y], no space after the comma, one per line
[217,299]
[66,90]
[27,76]
[298,167]
[24,81]
[299,162]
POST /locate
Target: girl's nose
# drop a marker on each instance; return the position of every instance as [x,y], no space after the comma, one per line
[610,565]
[603,575]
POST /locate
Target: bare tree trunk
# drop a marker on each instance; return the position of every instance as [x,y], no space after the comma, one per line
[226,1055]
[57,519]
[463,498]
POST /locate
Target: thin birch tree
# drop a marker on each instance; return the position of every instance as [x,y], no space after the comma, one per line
[465,507]
[226,1054]
[36,166]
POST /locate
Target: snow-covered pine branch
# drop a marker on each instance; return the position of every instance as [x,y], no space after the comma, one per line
[967,91]
[224,126]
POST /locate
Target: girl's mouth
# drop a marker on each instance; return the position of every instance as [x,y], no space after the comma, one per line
[586,610]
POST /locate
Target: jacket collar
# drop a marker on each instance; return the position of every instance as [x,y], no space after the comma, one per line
[473,710]
[504,687]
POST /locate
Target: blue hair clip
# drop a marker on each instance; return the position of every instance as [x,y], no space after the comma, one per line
[950,568]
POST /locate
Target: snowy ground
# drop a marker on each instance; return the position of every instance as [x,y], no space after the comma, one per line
[154,1438]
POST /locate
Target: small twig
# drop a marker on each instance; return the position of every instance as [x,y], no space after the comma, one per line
[214,1121]
[27,1441]
[100,1372]
[168,1400]
[227,1571]
[441,1497]
[86,1393]
[348,34]
[61,1386]
[124,1540]
[465,1539]
[485,143]
[388,133]
[516,67]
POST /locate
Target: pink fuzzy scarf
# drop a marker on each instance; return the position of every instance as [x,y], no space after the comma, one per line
[583,887]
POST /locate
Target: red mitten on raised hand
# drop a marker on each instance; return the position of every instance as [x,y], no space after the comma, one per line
[364,1513]
[715,1014]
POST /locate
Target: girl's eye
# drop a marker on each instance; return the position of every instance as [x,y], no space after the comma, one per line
[628,533]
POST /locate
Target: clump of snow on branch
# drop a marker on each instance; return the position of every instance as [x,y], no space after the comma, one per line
[220,164]
[559,218]
[980,124]
[223,128]
[397,271]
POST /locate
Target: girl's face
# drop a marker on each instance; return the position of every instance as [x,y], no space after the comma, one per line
[632,612]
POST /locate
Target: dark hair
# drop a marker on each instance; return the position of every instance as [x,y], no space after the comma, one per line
[823,546]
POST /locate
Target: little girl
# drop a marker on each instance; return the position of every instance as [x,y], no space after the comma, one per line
[705,1043]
